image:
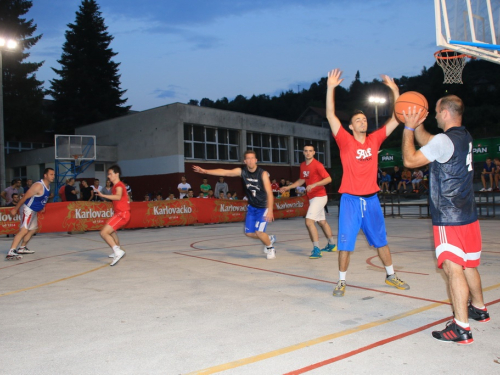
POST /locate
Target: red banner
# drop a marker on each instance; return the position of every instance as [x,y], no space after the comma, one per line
[85,216]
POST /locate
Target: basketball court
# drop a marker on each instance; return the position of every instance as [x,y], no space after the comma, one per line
[205,300]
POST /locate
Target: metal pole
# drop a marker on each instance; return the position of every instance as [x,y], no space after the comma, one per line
[2,140]
[376,115]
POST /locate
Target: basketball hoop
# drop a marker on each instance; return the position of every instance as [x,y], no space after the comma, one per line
[452,63]
[78,159]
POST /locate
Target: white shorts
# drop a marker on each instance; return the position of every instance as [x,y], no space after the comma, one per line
[29,218]
[316,209]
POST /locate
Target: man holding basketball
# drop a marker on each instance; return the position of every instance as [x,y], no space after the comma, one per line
[359,204]
[457,236]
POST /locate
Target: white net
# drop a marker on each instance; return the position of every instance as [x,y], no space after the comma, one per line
[452,64]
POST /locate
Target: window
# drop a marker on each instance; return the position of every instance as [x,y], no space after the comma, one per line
[268,147]
[319,146]
[20,173]
[208,143]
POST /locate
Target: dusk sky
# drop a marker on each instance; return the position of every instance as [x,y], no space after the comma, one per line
[174,51]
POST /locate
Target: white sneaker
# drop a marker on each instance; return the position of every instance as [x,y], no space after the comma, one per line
[111,255]
[271,254]
[483,189]
[119,255]
[489,189]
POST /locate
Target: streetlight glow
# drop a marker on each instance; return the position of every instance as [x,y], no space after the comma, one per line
[11,44]
[376,100]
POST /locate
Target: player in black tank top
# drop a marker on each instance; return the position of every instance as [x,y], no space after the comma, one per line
[260,198]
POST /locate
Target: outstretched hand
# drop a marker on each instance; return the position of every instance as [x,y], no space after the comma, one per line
[334,78]
[199,169]
[414,118]
[389,82]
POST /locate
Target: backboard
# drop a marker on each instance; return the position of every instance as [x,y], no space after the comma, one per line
[470,27]
[71,147]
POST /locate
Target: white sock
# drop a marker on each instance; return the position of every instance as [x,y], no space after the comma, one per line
[462,324]
[22,247]
[316,243]
[479,308]
[389,270]
[116,248]
[342,275]
[331,241]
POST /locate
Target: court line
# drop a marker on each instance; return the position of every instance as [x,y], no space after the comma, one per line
[369,261]
[53,282]
[377,343]
[311,278]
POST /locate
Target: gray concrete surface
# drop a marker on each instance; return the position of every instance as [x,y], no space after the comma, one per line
[204,299]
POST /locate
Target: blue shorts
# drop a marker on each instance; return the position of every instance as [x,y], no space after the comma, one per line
[360,213]
[255,220]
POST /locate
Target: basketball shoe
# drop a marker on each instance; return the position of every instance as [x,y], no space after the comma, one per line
[454,333]
[478,314]
[339,290]
[394,280]
[316,253]
[329,248]
[24,250]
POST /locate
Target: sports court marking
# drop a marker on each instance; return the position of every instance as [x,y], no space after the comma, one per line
[369,261]
[53,282]
[319,340]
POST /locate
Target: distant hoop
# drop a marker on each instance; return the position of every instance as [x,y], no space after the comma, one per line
[452,63]
[78,159]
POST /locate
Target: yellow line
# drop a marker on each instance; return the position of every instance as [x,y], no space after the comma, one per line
[319,340]
[53,282]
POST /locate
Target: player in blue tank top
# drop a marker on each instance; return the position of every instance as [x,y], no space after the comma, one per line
[33,201]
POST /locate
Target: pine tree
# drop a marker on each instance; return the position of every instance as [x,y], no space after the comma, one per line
[23,93]
[89,88]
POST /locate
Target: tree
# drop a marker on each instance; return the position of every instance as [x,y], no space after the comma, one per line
[23,93]
[89,88]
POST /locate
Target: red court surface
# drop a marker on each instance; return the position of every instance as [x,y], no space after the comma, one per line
[205,300]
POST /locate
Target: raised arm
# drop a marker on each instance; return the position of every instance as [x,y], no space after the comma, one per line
[412,158]
[236,172]
[392,123]
[333,81]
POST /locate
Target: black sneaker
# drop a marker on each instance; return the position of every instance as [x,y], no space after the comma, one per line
[478,315]
[454,333]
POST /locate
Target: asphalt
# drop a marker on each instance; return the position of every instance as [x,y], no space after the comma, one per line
[204,300]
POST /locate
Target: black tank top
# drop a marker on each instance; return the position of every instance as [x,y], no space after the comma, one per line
[452,195]
[254,187]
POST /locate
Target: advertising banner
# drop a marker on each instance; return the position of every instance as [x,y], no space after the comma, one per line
[86,216]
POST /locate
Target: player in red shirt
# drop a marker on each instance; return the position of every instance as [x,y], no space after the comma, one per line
[359,204]
[314,174]
[121,207]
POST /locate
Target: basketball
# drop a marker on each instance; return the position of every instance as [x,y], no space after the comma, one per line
[410,99]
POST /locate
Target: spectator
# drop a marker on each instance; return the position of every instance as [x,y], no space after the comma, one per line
[190,193]
[384,182]
[147,198]
[183,187]
[425,179]
[275,187]
[235,196]
[229,196]
[15,200]
[201,195]
[129,190]
[395,180]
[282,182]
[300,190]
[70,191]
[210,194]
[487,174]
[221,186]
[245,198]
[405,179]
[171,197]
[86,192]
[15,187]
[417,179]
[497,173]
[107,190]
[26,187]
[292,192]
[205,187]
[61,192]
[159,197]
[97,187]
[222,195]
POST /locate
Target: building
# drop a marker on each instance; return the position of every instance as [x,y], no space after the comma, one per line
[156,147]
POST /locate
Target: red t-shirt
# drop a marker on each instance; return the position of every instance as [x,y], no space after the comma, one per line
[313,173]
[275,187]
[359,161]
[123,204]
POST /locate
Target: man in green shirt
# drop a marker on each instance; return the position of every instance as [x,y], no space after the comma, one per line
[205,187]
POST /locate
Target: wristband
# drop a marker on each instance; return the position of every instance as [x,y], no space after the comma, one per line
[406,127]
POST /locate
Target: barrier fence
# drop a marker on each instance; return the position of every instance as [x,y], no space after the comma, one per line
[86,216]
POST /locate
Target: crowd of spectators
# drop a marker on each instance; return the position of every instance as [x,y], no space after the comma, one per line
[405,181]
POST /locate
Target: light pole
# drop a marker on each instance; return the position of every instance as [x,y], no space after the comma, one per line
[376,100]
[5,44]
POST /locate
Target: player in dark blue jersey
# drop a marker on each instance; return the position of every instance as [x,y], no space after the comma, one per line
[34,201]
[260,198]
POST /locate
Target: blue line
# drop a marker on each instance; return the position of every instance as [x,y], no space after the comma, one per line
[480,45]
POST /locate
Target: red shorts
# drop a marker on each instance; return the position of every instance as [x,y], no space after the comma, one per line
[119,220]
[460,244]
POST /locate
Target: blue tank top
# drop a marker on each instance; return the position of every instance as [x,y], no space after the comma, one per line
[37,202]
[451,191]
